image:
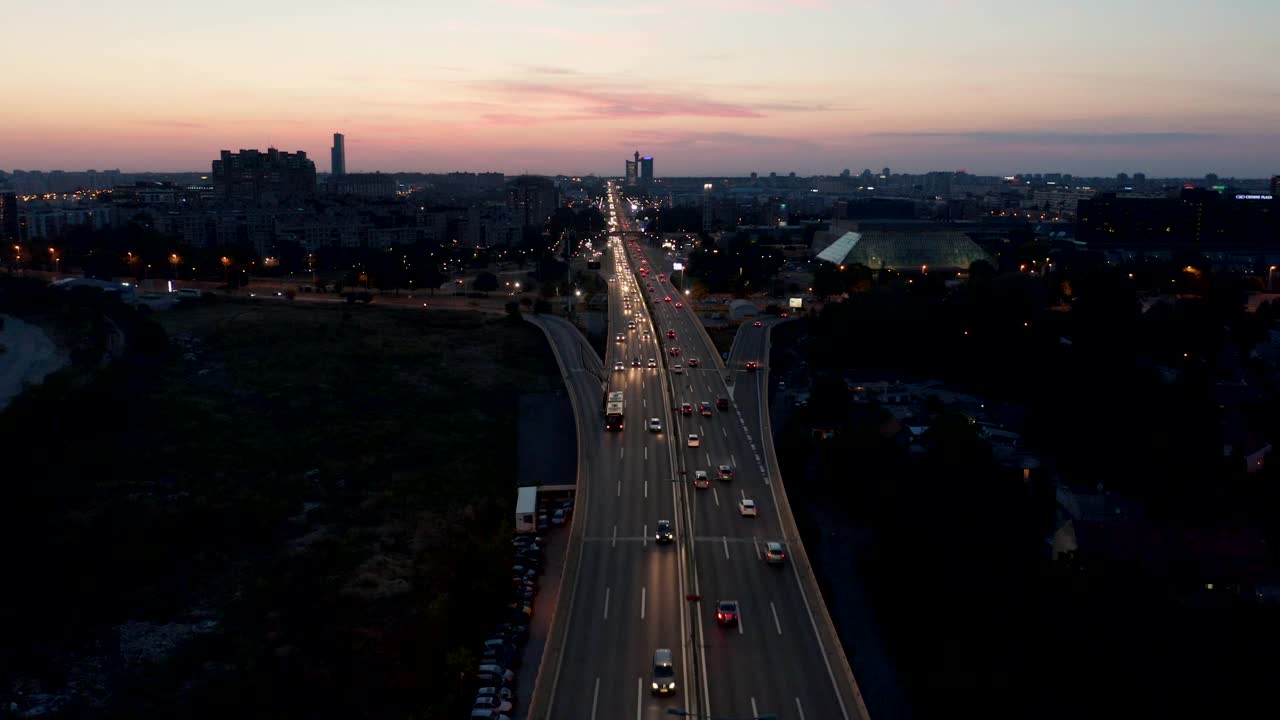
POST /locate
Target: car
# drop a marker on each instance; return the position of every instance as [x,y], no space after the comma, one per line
[495,674]
[557,518]
[784,316]
[677,369]
[671,333]
[664,672]
[666,299]
[705,409]
[722,403]
[655,425]
[679,304]
[528,540]
[619,367]
[774,554]
[653,362]
[747,507]
[620,337]
[694,440]
[486,714]
[686,408]
[635,362]
[662,276]
[190,293]
[758,324]
[693,362]
[724,472]
[631,324]
[727,612]
[674,351]
[664,533]
[502,693]
[752,365]
[700,479]
[489,702]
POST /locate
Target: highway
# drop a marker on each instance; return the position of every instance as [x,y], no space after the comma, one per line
[629,596]
[773,663]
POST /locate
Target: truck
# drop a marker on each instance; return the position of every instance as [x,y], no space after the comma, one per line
[527,510]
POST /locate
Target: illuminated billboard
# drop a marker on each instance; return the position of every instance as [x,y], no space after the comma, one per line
[677,267]
[795,303]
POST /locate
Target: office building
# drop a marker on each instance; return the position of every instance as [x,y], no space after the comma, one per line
[338,155]
[631,172]
[646,170]
[258,177]
[706,207]
[366,185]
[533,198]
[1197,220]
[8,216]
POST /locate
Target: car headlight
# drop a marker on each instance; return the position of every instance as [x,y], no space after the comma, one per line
[655,686]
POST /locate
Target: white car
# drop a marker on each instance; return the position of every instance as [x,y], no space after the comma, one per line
[694,440]
[653,363]
[747,507]
[655,425]
[678,369]
[619,367]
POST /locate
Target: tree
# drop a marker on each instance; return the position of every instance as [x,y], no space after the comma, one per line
[513,311]
[485,282]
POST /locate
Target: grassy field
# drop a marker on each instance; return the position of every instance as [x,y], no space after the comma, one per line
[301,512]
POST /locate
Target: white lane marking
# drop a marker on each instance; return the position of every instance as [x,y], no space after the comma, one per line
[606,603]
[733,460]
[708,459]
[715,496]
[754,712]
[595,699]
[644,537]
[646,488]
[622,453]
[619,488]
[614,542]
[776,624]
[725,539]
[639,695]
[642,594]
[799,709]
[755,541]
[724,432]
[744,493]
[646,452]
[644,402]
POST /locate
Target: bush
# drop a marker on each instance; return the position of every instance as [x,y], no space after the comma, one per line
[541,306]
[291,293]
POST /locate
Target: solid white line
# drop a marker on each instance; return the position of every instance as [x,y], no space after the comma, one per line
[614,542]
[708,459]
[744,493]
[755,541]
[619,488]
[715,496]
[776,624]
[754,712]
[644,403]
[606,603]
[622,452]
[595,699]
[644,536]
[799,710]
[724,432]
[733,460]
[725,539]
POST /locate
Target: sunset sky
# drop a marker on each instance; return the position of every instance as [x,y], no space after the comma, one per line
[709,87]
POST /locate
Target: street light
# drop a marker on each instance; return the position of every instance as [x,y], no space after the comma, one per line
[1270,273]
[53,255]
[226,270]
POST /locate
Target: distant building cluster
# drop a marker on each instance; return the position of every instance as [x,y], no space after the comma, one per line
[639,171]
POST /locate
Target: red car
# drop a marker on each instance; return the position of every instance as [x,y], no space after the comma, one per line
[784,316]
[662,276]
[752,365]
[671,333]
[666,299]
[693,362]
[759,324]
[675,351]
[679,304]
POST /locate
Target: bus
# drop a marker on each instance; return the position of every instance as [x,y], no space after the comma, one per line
[613,411]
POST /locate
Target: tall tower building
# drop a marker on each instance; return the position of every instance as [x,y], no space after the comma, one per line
[646,170]
[338,155]
[631,172]
[706,208]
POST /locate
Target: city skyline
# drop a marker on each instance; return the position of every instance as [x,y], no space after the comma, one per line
[709,87]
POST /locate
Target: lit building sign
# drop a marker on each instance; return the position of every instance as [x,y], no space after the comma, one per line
[1255,197]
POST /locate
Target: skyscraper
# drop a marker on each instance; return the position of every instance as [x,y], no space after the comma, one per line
[706,207]
[646,169]
[338,155]
[631,172]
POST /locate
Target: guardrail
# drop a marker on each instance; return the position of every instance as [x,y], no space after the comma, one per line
[544,688]
[837,661]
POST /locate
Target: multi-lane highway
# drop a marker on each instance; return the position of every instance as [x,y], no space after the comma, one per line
[632,596]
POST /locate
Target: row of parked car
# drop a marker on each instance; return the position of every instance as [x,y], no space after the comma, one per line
[503,651]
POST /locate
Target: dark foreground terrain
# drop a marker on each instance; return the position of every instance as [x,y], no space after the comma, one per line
[291,512]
